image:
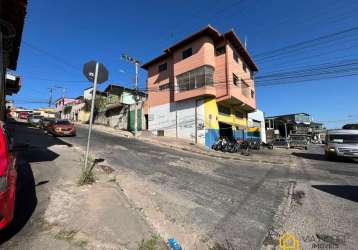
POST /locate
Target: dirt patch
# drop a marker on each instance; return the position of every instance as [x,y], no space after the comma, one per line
[166,211]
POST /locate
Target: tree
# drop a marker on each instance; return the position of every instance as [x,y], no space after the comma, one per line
[67,109]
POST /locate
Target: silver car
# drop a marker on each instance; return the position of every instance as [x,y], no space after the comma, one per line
[341,143]
[35,120]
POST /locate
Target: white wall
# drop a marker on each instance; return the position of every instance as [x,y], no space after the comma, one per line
[87,94]
[258,115]
[181,116]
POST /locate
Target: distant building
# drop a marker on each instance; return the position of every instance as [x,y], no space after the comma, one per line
[60,104]
[297,123]
[116,108]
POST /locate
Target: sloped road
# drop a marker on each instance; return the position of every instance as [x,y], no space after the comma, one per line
[236,200]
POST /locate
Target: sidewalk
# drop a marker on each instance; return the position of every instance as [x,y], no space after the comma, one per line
[276,156]
[63,215]
[107,129]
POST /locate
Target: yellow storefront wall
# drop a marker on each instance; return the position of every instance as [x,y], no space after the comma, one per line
[212,116]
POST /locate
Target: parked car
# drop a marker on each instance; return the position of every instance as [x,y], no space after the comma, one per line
[23,115]
[45,122]
[341,143]
[281,142]
[35,120]
[298,141]
[8,177]
[62,128]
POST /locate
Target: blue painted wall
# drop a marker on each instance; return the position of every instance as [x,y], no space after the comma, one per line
[211,136]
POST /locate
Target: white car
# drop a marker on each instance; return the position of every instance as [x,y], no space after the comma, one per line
[341,143]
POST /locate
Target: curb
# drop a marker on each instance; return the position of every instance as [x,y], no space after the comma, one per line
[105,131]
[212,155]
[191,150]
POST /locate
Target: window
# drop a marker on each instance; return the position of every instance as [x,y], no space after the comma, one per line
[164,86]
[195,78]
[223,110]
[162,67]
[235,79]
[236,57]
[220,50]
[239,114]
[245,88]
[244,66]
[252,94]
[186,53]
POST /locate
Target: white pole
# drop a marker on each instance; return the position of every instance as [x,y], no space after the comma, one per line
[91,115]
[136,99]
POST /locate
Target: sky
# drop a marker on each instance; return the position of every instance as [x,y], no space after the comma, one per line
[60,36]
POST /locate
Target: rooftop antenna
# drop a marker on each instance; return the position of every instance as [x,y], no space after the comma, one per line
[245,42]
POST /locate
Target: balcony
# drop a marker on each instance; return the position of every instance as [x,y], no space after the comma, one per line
[194,83]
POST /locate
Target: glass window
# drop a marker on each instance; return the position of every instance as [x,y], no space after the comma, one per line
[235,79]
[239,114]
[164,86]
[196,78]
[252,94]
[220,50]
[223,110]
[63,122]
[236,57]
[343,138]
[187,53]
[245,88]
[244,66]
[162,67]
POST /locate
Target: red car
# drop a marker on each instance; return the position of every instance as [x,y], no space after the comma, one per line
[8,177]
[61,128]
[23,115]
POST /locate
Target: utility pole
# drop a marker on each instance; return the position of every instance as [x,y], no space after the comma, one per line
[136,64]
[50,99]
[63,89]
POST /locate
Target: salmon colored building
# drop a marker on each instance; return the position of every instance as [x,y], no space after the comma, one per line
[201,88]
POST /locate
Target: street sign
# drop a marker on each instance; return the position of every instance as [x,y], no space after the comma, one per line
[96,73]
[89,70]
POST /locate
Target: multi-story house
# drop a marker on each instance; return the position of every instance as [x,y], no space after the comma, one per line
[202,87]
[60,104]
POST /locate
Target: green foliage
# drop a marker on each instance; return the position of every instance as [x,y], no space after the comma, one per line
[150,244]
[88,103]
[65,235]
[67,109]
[87,176]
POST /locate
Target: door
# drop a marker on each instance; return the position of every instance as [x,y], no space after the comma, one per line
[131,120]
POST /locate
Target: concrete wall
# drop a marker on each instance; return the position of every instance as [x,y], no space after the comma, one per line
[178,118]
[116,118]
[258,115]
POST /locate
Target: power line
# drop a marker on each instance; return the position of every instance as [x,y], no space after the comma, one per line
[306,43]
[52,56]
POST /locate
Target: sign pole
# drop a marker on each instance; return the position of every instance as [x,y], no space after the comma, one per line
[91,115]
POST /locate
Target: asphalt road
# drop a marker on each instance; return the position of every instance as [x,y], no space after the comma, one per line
[238,199]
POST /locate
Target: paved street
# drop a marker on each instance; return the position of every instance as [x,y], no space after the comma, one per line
[236,201]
